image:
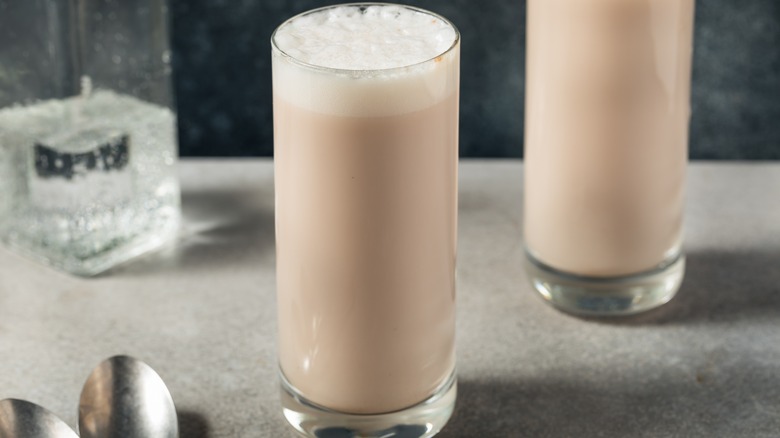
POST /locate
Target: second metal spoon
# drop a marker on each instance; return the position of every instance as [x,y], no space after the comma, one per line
[125,398]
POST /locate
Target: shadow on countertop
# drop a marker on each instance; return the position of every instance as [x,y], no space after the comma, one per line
[193,425]
[720,287]
[224,228]
[732,404]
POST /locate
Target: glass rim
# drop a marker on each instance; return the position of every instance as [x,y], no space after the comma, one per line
[362,72]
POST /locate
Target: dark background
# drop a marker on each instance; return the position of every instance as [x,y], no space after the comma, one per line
[223,76]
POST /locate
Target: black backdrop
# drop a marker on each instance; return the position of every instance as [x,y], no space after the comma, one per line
[223,78]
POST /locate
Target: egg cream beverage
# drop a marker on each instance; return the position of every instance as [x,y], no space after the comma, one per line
[607,110]
[366,149]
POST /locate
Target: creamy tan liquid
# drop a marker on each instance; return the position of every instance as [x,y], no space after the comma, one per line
[366,232]
[607,112]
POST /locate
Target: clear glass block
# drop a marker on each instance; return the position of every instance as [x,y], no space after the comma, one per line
[87,131]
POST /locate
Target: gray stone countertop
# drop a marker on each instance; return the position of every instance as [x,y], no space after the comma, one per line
[202,314]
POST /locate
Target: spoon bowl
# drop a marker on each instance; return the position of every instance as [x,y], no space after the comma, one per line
[22,419]
[126,398]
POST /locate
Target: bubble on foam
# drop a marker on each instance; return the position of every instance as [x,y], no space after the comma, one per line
[365,38]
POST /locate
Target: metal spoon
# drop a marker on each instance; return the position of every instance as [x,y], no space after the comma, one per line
[125,398]
[22,419]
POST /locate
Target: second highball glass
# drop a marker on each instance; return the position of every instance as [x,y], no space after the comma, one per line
[607,111]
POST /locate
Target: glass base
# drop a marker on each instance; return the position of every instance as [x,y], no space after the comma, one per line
[611,296]
[424,419]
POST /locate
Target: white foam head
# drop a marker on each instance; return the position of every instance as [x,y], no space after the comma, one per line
[366,59]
